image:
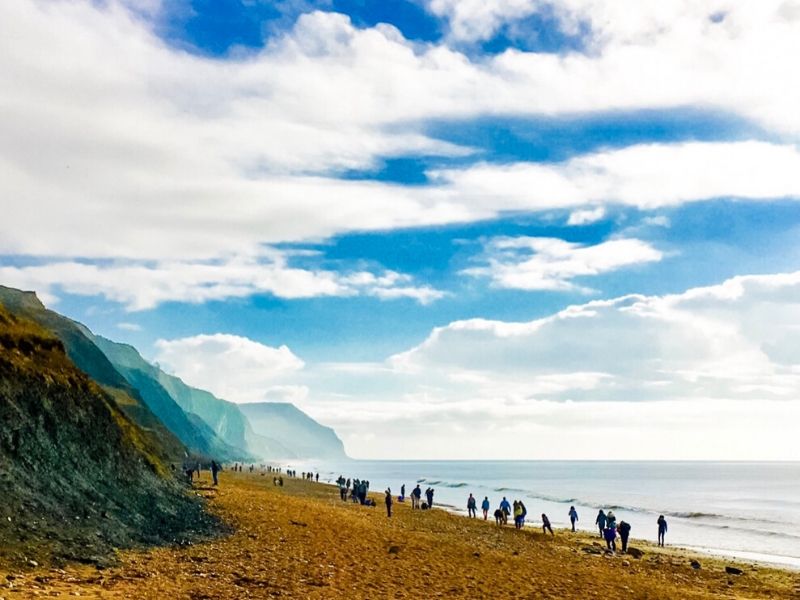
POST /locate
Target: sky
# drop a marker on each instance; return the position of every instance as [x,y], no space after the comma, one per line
[476,229]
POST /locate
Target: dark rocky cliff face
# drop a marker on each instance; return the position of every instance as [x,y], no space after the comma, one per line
[78,475]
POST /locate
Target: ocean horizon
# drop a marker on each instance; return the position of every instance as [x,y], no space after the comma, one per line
[744,509]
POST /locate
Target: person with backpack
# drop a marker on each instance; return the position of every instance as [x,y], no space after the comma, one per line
[472,507]
[485,507]
[573,516]
[624,532]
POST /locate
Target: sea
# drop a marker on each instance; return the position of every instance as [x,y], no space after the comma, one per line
[746,510]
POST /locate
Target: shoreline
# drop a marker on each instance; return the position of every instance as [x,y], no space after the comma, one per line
[302,541]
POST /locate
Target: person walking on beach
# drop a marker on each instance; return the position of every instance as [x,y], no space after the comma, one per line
[215,469]
[611,520]
[573,516]
[524,513]
[416,494]
[506,508]
[472,507]
[600,521]
[624,533]
[388,501]
[485,507]
[610,535]
[402,492]
[662,529]
[546,525]
[429,496]
[517,514]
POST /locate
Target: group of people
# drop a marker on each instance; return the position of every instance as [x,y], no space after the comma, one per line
[190,469]
[356,490]
[310,476]
[606,523]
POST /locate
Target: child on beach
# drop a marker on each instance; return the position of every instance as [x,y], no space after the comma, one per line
[573,516]
[662,529]
[610,535]
[499,518]
[546,525]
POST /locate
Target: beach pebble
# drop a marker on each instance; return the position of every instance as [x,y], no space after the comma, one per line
[394,549]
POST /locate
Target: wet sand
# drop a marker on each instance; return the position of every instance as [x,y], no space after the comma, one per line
[301,541]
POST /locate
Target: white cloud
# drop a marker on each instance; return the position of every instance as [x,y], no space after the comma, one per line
[712,372]
[129,326]
[586,216]
[537,263]
[142,285]
[107,132]
[231,367]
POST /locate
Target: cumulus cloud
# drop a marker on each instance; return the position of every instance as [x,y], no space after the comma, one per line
[235,368]
[537,263]
[145,285]
[721,363]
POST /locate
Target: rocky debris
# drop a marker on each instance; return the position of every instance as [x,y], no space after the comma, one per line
[592,550]
[635,553]
[733,570]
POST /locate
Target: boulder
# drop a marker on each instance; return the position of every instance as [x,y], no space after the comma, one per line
[733,570]
[635,552]
[695,564]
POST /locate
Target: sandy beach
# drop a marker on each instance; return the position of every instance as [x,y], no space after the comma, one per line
[301,541]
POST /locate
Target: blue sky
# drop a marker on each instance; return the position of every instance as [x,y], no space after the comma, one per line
[360,182]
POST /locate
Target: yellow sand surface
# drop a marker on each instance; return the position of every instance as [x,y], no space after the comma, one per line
[301,541]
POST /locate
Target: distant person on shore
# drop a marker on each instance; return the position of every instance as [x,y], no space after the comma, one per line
[485,507]
[215,469]
[472,507]
[388,501]
[429,496]
[402,492]
[662,529]
[506,508]
[573,516]
[546,525]
[624,532]
[317,477]
[416,495]
[600,521]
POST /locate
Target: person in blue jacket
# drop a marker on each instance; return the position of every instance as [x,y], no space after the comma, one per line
[506,508]
[573,516]
[662,529]
[485,507]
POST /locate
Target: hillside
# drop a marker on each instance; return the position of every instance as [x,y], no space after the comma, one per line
[91,360]
[191,429]
[79,477]
[286,426]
